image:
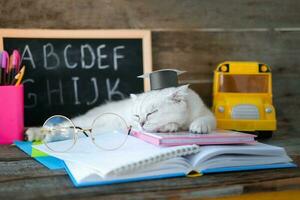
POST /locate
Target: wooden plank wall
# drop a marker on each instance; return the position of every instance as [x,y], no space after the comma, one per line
[190,35]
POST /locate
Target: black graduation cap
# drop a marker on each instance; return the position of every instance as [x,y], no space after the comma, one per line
[163,78]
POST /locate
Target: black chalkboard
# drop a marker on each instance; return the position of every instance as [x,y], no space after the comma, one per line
[69,76]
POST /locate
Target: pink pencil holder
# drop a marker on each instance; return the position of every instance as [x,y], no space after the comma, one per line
[11,114]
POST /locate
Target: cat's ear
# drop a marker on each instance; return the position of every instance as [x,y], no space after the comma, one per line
[179,93]
[133,97]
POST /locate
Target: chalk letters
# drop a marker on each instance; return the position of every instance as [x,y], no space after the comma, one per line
[70,76]
[66,58]
[29,58]
[101,56]
[83,57]
[53,91]
[113,91]
[50,54]
[94,81]
[31,96]
[117,56]
[75,79]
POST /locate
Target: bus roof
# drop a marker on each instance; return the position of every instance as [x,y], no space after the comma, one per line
[242,67]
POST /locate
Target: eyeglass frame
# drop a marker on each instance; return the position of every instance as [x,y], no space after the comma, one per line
[87,131]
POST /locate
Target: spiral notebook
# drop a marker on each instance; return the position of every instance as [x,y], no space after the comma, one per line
[134,154]
[138,160]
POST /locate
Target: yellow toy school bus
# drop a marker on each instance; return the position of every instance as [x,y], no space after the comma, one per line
[242,97]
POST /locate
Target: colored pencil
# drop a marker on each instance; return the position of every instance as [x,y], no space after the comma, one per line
[4,66]
[19,76]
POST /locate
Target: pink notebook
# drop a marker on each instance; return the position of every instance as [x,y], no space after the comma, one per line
[186,138]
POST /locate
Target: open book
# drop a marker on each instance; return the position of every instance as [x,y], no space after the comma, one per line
[138,160]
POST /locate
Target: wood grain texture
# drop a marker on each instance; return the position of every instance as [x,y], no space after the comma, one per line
[149,14]
[190,35]
[280,195]
[200,52]
[22,169]
[11,153]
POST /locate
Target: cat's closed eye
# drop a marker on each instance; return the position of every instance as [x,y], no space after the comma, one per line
[148,114]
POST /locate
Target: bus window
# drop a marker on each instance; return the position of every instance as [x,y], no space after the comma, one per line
[234,83]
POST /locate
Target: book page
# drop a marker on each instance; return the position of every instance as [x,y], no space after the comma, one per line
[237,160]
[81,174]
[210,152]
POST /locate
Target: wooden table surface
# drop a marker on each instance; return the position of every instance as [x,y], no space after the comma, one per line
[23,178]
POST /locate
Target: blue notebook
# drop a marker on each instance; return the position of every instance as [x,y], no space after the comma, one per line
[85,169]
[48,161]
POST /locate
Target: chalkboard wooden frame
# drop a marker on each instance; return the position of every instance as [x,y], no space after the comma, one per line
[72,91]
[145,35]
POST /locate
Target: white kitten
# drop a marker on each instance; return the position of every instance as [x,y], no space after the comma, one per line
[167,110]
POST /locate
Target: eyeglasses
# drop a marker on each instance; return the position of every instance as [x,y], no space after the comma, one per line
[105,126]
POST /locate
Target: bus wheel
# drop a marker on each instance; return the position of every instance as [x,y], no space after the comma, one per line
[264,134]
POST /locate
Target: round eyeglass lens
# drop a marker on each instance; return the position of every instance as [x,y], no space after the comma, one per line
[59,132]
[109,131]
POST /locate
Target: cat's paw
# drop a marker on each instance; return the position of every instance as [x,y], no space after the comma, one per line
[170,127]
[201,126]
[33,134]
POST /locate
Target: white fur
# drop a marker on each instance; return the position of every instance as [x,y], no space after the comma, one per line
[167,110]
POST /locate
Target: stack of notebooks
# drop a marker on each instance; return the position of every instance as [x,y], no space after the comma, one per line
[160,156]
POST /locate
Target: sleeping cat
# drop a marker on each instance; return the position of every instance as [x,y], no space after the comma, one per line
[167,110]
